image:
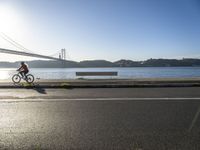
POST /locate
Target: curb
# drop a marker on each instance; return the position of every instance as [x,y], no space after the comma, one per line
[102,86]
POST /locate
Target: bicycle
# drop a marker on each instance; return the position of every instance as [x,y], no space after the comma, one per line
[29,78]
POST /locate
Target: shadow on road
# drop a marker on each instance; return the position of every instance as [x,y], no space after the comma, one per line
[40,90]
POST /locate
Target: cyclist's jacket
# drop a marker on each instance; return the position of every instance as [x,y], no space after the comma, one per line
[24,67]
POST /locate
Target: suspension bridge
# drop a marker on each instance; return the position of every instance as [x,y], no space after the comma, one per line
[26,52]
[15,52]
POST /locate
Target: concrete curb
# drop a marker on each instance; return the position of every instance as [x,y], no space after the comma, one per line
[148,85]
[106,83]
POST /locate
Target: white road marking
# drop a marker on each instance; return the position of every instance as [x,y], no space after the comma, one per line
[99,99]
[196,116]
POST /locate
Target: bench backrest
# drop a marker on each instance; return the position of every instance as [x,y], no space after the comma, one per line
[96,73]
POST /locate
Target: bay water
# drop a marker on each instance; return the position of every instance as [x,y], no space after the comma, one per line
[123,73]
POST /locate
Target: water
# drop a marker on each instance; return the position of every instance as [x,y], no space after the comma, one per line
[123,73]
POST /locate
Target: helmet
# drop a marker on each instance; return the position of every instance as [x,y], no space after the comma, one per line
[22,62]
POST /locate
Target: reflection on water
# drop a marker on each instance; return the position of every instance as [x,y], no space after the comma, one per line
[6,73]
[123,73]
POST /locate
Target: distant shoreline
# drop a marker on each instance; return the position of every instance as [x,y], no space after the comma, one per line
[106,67]
[186,62]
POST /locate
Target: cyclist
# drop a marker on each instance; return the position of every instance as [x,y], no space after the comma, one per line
[23,69]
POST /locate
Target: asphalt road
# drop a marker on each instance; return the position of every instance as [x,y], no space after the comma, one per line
[84,119]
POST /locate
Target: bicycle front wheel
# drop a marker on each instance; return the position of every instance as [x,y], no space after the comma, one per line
[29,78]
[16,78]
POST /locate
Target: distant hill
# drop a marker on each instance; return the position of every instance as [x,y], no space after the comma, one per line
[42,64]
[186,62]
[53,64]
[171,62]
[127,63]
[97,63]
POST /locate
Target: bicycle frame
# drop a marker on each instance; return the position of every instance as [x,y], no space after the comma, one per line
[21,75]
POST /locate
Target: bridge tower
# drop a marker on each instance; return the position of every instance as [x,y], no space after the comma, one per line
[63,54]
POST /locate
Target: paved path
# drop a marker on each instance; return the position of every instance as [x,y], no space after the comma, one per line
[100,119]
[74,93]
[93,83]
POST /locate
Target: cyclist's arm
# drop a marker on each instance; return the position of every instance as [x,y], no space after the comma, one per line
[19,68]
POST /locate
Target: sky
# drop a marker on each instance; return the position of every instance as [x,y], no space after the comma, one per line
[102,29]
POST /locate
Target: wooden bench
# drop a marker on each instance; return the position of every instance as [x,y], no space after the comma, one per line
[111,73]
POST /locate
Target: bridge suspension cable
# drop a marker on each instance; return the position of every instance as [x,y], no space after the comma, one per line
[55,54]
[25,51]
[14,43]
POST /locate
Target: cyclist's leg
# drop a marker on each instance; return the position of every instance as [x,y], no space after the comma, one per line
[25,73]
[22,73]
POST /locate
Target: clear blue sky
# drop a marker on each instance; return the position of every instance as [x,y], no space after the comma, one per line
[106,29]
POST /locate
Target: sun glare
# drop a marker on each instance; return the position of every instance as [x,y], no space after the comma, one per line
[4,74]
[9,20]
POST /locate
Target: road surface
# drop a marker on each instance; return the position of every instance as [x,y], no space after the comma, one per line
[111,118]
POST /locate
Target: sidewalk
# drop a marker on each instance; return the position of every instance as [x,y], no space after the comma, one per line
[105,83]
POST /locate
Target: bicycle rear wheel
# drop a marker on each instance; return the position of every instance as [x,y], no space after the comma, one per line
[16,78]
[30,78]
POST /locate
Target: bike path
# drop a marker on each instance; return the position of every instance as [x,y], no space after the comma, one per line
[101,83]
